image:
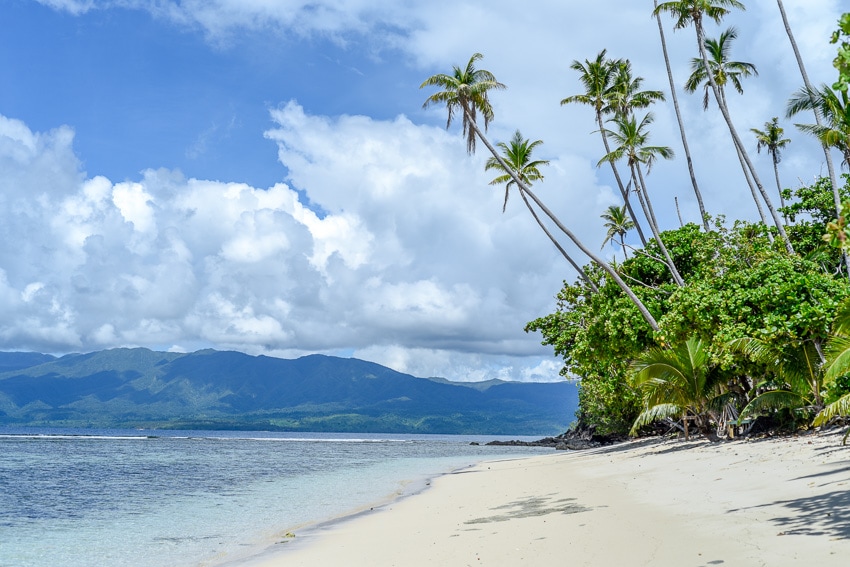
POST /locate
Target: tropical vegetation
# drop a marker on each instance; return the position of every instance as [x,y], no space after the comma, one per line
[719,328]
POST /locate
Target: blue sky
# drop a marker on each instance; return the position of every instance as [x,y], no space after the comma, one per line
[166,95]
[261,176]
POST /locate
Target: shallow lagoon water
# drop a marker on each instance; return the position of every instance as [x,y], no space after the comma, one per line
[177,498]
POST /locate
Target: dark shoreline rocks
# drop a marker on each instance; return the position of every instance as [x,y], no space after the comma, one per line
[572,440]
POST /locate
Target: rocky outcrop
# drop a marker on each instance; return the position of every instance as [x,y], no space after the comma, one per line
[575,439]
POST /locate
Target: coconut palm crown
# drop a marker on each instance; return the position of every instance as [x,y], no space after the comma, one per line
[687,12]
[723,70]
[625,95]
[618,224]
[771,139]
[834,107]
[517,155]
[465,91]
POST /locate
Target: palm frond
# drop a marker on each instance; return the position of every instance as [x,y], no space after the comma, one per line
[838,408]
[841,325]
[654,414]
[837,357]
[772,401]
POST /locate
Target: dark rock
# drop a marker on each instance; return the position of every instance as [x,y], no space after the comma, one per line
[546,442]
[576,445]
[575,439]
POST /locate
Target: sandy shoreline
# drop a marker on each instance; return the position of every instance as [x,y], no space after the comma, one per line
[780,501]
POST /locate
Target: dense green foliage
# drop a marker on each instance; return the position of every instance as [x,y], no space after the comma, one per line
[809,211]
[739,286]
[841,36]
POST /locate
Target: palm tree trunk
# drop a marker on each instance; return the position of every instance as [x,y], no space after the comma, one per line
[737,140]
[653,223]
[747,176]
[557,244]
[779,186]
[754,193]
[590,254]
[623,191]
[702,212]
[830,167]
[678,212]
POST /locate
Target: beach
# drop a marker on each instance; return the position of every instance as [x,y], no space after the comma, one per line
[771,501]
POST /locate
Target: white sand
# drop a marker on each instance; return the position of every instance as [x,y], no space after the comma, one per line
[769,502]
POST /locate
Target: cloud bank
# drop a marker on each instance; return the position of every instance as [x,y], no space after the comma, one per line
[410,262]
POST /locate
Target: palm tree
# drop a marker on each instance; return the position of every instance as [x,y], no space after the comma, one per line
[677,381]
[725,71]
[697,192]
[517,155]
[632,137]
[827,155]
[834,107]
[625,95]
[465,90]
[771,139]
[830,167]
[687,12]
[618,224]
[597,76]
[454,98]
[798,384]
[837,365]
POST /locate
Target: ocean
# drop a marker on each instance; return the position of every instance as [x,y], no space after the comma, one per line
[115,498]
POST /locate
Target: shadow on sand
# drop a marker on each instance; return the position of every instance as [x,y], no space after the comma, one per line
[825,514]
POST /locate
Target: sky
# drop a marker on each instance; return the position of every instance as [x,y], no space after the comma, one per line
[261,176]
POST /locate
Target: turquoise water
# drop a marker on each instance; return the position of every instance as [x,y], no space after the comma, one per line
[181,499]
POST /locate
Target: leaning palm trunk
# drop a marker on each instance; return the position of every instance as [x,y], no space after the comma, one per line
[737,140]
[779,185]
[590,254]
[702,212]
[753,191]
[623,190]
[830,167]
[747,174]
[646,203]
[560,248]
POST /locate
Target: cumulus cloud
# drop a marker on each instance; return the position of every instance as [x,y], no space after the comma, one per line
[409,258]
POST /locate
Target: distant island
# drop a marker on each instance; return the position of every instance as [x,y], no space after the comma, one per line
[141,388]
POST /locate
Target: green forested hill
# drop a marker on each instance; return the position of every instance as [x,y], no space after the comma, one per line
[213,389]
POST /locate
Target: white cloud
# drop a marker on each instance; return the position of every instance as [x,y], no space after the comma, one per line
[412,250]
[75,7]
[134,204]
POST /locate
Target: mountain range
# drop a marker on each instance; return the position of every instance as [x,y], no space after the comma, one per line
[212,389]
